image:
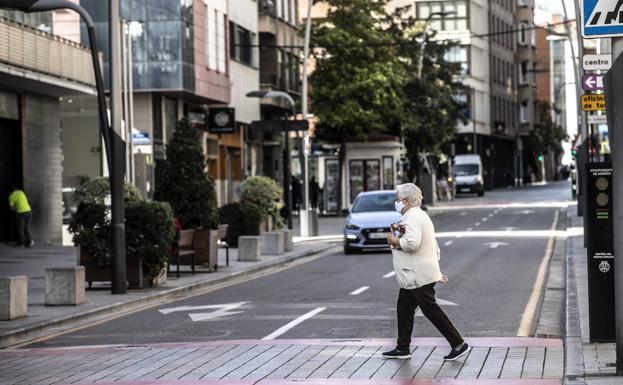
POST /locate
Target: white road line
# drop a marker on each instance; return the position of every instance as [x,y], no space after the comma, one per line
[360,290]
[484,219]
[469,229]
[477,224]
[448,243]
[390,274]
[527,319]
[293,323]
[490,215]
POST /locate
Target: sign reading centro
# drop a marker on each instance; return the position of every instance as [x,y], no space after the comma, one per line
[601,62]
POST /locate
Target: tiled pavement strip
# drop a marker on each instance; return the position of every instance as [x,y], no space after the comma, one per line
[504,361]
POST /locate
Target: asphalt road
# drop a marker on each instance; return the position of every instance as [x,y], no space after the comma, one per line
[353,296]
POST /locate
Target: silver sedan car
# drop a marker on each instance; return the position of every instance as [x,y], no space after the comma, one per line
[369,221]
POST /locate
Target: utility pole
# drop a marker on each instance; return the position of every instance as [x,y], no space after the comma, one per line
[118,280]
[614,101]
[304,212]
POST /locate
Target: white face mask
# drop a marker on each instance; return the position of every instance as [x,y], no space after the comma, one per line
[399,206]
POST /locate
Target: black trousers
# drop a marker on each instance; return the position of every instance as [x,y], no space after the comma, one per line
[23,230]
[424,297]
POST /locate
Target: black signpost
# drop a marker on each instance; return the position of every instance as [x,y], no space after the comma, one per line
[600,250]
[221,120]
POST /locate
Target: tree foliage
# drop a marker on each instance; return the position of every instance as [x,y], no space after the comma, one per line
[547,135]
[182,181]
[357,80]
[431,105]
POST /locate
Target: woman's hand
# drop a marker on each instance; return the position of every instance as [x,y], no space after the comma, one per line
[393,240]
[444,279]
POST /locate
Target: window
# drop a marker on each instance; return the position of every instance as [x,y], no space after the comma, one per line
[216,50]
[455,22]
[523,112]
[523,34]
[523,73]
[458,55]
[241,41]
[522,3]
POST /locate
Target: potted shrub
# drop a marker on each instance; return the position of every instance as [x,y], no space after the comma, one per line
[242,218]
[181,180]
[265,194]
[149,225]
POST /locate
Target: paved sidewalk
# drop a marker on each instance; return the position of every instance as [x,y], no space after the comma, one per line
[506,361]
[588,363]
[43,320]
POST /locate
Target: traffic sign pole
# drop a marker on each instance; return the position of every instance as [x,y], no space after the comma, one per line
[614,92]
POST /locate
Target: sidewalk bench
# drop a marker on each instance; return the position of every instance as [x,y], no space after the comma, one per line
[222,241]
[13,297]
[184,250]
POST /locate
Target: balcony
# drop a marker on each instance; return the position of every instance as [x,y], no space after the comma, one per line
[30,57]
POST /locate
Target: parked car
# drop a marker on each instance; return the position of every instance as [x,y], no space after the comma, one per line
[369,221]
[467,174]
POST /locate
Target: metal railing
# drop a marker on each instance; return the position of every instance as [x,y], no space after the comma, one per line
[28,48]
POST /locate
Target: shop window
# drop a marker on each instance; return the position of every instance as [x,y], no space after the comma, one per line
[364,176]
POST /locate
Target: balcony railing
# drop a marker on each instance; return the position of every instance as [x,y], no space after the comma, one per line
[28,48]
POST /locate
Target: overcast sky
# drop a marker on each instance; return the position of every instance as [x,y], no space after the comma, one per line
[556,6]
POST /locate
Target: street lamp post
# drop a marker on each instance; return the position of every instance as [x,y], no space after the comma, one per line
[287,193]
[304,217]
[115,147]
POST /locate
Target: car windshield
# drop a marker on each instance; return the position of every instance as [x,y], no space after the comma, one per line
[374,202]
[465,169]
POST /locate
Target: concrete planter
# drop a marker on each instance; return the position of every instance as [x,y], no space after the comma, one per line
[136,276]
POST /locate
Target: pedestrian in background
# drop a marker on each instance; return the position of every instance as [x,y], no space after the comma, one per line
[19,204]
[415,256]
[313,192]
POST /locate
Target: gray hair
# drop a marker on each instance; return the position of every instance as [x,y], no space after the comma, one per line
[410,192]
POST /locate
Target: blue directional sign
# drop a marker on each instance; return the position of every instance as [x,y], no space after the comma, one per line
[602,18]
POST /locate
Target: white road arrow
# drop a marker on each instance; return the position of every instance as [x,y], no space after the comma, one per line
[523,212]
[495,245]
[509,228]
[443,302]
[222,310]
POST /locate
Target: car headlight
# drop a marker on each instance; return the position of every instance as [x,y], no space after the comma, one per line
[350,226]
[351,237]
[450,179]
[479,179]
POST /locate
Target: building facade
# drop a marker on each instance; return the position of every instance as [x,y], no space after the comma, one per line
[37,70]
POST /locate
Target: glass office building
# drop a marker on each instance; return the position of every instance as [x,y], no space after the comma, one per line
[162,41]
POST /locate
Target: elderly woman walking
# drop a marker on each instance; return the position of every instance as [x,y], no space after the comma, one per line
[416,264]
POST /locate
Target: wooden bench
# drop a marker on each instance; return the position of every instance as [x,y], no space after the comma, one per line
[222,241]
[184,249]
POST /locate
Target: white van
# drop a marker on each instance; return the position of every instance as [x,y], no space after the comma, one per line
[467,174]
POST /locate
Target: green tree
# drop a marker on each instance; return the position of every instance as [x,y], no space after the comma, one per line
[547,135]
[431,105]
[357,80]
[181,180]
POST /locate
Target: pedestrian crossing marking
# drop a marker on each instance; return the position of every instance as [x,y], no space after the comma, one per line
[602,18]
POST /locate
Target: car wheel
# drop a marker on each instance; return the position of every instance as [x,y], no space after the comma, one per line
[349,250]
[481,193]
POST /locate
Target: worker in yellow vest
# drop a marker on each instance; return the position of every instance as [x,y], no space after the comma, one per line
[19,203]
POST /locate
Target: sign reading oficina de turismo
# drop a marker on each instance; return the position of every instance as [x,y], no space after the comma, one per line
[602,18]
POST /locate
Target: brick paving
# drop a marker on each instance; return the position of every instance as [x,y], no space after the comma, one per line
[504,361]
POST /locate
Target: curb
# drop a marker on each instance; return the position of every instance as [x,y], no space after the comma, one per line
[42,329]
[574,358]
